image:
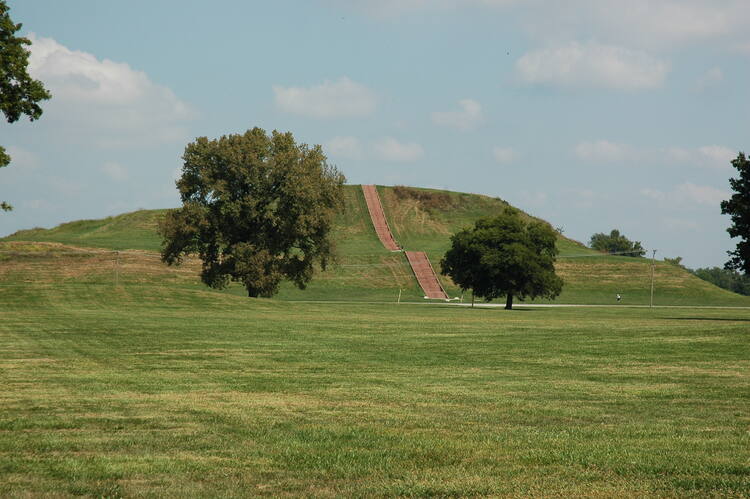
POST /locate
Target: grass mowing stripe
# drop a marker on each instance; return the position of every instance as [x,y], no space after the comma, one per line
[146,391]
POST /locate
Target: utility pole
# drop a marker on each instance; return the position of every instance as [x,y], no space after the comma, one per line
[117,268]
[653,264]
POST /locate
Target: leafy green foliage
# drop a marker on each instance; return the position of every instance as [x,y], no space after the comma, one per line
[726,278]
[19,92]
[614,242]
[504,256]
[738,207]
[4,158]
[256,209]
[677,261]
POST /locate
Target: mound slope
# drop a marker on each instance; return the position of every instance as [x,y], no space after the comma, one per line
[420,219]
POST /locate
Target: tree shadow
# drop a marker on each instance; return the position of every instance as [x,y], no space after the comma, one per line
[706,319]
[502,309]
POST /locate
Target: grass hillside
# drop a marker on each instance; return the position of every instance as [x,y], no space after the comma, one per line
[80,253]
[122,377]
[136,230]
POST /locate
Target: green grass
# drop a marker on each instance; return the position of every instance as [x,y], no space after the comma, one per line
[136,230]
[147,390]
[425,226]
[123,377]
[421,219]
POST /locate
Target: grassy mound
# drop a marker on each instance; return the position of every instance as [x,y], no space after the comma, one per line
[421,219]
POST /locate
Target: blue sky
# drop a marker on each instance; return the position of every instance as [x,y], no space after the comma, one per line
[592,114]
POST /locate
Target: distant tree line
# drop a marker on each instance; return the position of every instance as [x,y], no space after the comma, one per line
[730,277]
[724,278]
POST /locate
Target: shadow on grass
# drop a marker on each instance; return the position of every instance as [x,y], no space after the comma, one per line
[502,309]
[723,319]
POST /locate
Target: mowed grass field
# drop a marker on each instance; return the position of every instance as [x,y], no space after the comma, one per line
[123,377]
[151,391]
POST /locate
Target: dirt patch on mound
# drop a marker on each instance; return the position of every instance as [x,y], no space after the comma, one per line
[408,214]
[427,200]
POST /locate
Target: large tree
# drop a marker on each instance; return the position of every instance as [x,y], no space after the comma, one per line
[19,92]
[738,207]
[256,209]
[614,242]
[504,256]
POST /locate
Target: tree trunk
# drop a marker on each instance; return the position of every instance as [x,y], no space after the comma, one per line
[509,302]
[252,293]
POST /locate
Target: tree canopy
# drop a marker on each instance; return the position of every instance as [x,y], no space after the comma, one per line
[19,92]
[614,242]
[256,209]
[504,256]
[738,208]
[725,278]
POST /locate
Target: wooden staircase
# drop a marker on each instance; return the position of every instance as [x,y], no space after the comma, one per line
[420,263]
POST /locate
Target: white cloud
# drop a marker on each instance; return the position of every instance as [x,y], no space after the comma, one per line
[709,79]
[712,156]
[504,155]
[602,151]
[668,21]
[102,102]
[651,24]
[701,194]
[592,65]
[633,23]
[389,149]
[339,99]
[718,156]
[344,147]
[687,194]
[466,118]
[115,171]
